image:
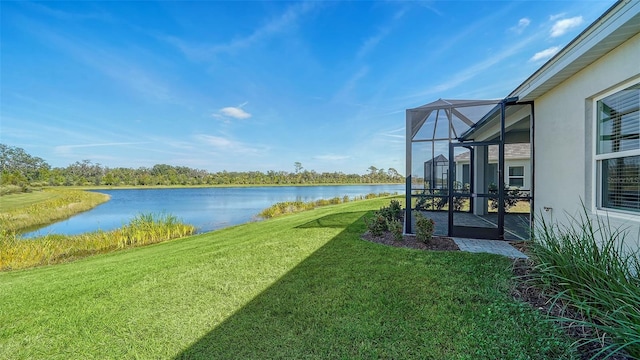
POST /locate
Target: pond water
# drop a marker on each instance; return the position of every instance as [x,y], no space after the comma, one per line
[205,208]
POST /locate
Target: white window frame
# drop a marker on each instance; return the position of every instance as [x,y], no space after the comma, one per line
[517,176]
[597,207]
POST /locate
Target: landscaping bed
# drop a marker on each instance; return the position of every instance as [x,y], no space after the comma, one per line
[523,290]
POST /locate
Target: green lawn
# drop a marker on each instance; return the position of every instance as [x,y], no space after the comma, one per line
[17,201]
[299,286]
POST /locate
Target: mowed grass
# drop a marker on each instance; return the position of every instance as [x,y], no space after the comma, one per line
[29,210]
[17,201]
[299,286]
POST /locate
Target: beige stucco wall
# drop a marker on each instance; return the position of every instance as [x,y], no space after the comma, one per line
[564,140]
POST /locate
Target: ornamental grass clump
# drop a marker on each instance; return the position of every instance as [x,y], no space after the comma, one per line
[587,265]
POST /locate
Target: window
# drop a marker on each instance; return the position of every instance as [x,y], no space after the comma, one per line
[618,150]
[466,174]
[516,176]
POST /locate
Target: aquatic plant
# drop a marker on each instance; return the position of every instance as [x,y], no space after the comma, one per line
[17,252]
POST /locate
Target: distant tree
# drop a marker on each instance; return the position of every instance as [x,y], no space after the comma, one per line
[17,167]
[393,173]
[298,166]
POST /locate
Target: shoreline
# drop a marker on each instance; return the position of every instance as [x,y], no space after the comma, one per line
[66,203]
[143,187]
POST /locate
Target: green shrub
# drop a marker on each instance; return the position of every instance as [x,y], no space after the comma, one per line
[393,211]
[510,196]
[424,228]
[388,218]
[587,265]
[377,224]
[395,227]
[440,199]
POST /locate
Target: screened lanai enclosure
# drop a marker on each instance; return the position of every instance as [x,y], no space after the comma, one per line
[469,168]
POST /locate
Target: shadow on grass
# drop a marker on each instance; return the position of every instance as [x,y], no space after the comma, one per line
[289,317]
[352,299]
[339,221]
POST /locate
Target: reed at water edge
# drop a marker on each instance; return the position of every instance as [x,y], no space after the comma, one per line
[144,229]
[62,204]
[290,207]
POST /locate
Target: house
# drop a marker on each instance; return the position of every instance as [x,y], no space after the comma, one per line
[517,162]
[580,113]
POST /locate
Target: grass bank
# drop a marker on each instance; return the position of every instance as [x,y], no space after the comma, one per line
[29,210]
[299,286]
[290,207]
[144,229]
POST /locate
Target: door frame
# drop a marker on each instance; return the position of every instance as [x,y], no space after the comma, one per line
[471,231]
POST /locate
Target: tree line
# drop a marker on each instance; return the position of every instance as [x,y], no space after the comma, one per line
[17,167]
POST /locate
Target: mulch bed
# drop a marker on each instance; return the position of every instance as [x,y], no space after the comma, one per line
[522,290]
[437,243]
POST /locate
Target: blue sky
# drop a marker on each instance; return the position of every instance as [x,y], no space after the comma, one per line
[242,86]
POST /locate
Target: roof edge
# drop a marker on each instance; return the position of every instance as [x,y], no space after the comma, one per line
[548,68]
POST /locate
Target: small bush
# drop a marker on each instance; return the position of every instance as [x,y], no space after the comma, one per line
[377,224]
[510,196]
[424,228]
[393,211]
[388,218]
[395,226]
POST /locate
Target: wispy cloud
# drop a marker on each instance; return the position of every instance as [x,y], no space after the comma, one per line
[228,145]
[555,17]
[395,135]
[545,54]
[470,72]
[278,25]
[109,62]
[351,84]
[370,43]
[67,15]
[522,24]
[67,150]
[561,27]
[331,157]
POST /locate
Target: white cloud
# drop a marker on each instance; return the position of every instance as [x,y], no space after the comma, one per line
[545,54]
[235,112]
[556,16]
[561,27]
[522,24]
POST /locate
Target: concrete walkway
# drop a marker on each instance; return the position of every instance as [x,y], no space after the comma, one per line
[489,246]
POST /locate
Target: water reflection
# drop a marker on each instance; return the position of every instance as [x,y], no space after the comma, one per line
[206,208]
